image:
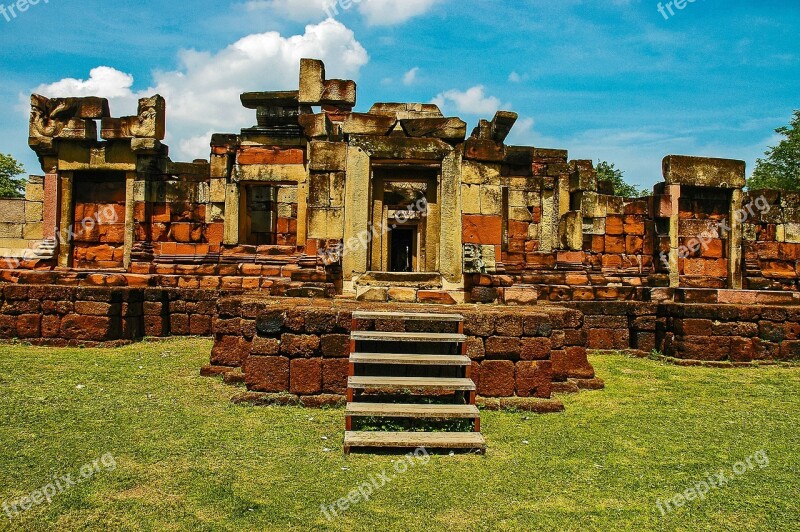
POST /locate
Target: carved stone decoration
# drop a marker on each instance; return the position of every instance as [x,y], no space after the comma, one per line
[63,118]
[479,259]
[151,121]
[50,117]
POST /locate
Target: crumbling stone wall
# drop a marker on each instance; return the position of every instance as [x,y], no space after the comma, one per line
[21,220]
[772,241]
[292,207]
[74,315]
[281,347]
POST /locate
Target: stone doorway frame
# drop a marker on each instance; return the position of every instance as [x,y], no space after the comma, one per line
[362,153]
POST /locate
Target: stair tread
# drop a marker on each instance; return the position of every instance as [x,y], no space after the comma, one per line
[402,383]
[440,440]
[434,411]
[406,316]
[416,360]
[406,337]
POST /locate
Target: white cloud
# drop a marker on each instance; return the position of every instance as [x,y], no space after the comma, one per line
[473,101]
[514,77]
[109,82]
[522,131]
[376,12]
[298,10]
[203,93]
[410,77]
[389,12]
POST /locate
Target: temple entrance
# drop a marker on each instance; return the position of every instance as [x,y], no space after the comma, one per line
[403,250]
[403,202]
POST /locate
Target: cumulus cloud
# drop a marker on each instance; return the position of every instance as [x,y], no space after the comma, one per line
[297,10]
[473,101]
[376,12]
[109,82]
[389,12]
[410,77]
[203,92]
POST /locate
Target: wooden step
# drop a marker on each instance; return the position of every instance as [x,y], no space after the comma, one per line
[412,411]
[413,440]
[407,316]
[411,360]
[379,336]
[435,384]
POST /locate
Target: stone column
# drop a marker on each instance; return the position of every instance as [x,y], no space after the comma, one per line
[451,252]
[674,192]
[50,207]
[130,208]
[356,208]
[549,224]
[232,199]
[67,214]
[735,241]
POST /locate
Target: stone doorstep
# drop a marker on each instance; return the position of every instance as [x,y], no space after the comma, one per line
[526,404]
[736,297]
[420,281]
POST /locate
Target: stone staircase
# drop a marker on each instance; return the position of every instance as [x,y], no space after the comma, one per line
[409,377]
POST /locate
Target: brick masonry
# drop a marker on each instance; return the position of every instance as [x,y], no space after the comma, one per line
[291,346]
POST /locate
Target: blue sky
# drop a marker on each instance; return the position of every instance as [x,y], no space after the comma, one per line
[609,80]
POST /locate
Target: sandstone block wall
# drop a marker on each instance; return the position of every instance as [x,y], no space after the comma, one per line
[22,220]
[772,242]
[304,350]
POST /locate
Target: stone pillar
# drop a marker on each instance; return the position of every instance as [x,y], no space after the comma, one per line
[549,225]
[50,208]
[674,192]
[67,213]
[356,208]
[735,241]
[232,199]
[451,253]
[130,208]
[302,213]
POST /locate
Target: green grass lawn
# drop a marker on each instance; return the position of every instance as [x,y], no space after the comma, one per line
[188,459]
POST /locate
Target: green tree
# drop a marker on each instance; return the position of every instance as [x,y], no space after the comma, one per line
[11,186]
[781,168]
[608,172]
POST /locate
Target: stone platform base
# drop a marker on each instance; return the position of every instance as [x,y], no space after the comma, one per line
[301,347]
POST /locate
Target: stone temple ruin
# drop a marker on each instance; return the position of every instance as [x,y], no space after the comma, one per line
[305,229]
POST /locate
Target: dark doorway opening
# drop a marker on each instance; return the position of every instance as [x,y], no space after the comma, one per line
[402,249]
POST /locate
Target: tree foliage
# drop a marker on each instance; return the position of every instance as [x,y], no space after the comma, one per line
[781,167]
[609,172]
[11,185]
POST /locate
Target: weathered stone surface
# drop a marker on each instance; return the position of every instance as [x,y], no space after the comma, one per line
[267,374]
[334,375]
[306,376]
[571,363]
[230,351]
[496,378]
[703,171]
[335,345]
[294,345]
[534,379]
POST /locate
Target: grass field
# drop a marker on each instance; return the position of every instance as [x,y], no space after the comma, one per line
[188,459]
